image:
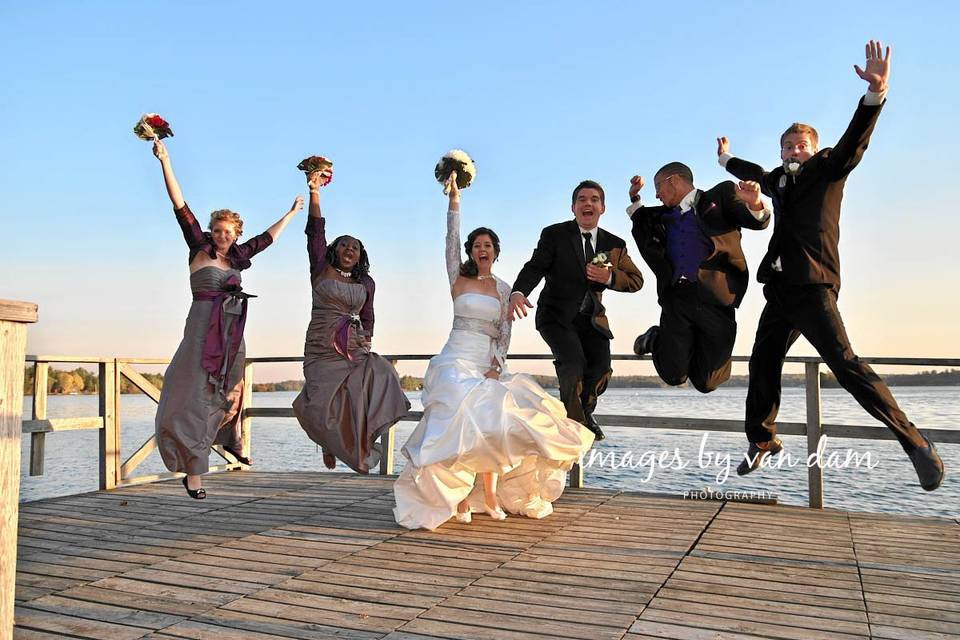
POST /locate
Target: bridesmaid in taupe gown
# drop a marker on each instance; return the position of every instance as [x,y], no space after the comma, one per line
[351,394]
[202,386]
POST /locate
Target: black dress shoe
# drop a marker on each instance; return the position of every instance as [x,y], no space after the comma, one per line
[236,454]
[755,455]
[594,427]
[645,341]
[928,465]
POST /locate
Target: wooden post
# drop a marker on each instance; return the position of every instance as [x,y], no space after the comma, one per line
[814,433]
[576,476]
[246,423]
[386,451]
[14,317]
[38,440]
[387,441]
[109,435]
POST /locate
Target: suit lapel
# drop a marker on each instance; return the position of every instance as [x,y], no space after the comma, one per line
[603,243]
[577,241]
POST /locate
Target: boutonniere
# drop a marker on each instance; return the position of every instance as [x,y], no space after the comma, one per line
[601,260]
[792,167]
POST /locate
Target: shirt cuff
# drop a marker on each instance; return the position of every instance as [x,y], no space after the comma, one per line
[763,214]
[610,279]
[632,209]
[723,159]
[871,99]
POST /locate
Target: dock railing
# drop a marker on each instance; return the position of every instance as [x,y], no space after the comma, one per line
[116,473]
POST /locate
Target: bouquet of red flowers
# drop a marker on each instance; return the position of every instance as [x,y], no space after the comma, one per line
[152,127]
[455,160]
[318,163]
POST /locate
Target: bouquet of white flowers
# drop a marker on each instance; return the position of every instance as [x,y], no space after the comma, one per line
[455,160]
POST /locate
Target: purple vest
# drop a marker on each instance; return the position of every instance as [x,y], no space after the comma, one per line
[687,246]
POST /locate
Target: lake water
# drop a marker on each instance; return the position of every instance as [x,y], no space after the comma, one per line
[280,445]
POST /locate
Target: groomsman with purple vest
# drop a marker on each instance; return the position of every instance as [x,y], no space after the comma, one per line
[692,245]
[801,276]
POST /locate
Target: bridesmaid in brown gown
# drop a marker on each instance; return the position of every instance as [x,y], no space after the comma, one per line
[202,386]
[351,394]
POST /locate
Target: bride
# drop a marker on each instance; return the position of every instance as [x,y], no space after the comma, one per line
[480,423]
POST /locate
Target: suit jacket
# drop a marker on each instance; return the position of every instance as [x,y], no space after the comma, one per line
[806,228]
[559,259]
[723,273]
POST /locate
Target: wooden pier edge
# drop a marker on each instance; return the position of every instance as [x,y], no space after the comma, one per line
[14,317]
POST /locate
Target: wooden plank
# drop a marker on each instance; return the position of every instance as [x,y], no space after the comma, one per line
[16,312]
[137,379]
[246,424]
[128,467]
[39,412]
[61,424]
[110,434]
[105,612]
[69,626]
[13,341]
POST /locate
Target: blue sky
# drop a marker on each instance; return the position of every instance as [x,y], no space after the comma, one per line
[542,94]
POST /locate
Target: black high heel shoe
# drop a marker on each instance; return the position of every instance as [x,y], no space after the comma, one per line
[196,494]
[236,454]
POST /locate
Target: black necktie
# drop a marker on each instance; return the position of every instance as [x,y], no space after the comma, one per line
[588,252]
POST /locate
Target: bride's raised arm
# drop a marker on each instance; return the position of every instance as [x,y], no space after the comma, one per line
[453,231]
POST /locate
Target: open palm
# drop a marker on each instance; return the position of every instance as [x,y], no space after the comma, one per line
[876,71]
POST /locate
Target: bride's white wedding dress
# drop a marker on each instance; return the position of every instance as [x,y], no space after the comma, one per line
[473,424]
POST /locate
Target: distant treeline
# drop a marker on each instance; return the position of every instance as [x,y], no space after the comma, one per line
[81,381]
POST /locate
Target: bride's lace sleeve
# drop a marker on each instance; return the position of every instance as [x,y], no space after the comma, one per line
[453,245]
[503,342]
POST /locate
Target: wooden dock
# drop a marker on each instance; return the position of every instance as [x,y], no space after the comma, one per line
[318,555]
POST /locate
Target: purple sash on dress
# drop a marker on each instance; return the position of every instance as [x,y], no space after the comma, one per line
[220,346]
[342,334]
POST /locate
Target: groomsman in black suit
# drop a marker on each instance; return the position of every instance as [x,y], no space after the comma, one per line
[692,245]
[801,276]
[579,260]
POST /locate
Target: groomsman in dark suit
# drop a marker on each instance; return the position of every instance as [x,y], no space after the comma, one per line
[692,245]
[578,260]
[801,276]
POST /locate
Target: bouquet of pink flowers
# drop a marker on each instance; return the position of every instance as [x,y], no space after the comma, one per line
[152,127]
[318,163]
[455,160]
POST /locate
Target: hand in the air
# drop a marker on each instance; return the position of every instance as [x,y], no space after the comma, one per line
[160,151]
[748,192]
[877,67]
[723,146]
